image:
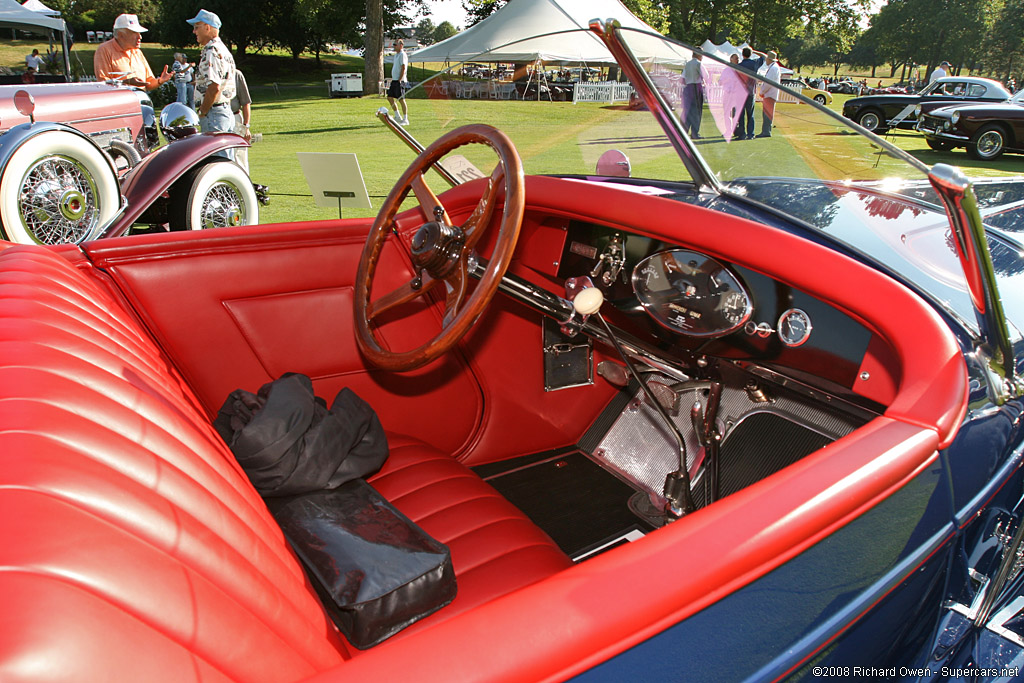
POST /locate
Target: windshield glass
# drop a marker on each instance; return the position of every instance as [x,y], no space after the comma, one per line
[565,112]
[569,110]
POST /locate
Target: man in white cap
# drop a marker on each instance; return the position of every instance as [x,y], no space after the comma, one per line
[215,75]
[121,59]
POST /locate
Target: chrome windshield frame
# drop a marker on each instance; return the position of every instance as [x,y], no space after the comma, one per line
[608,30]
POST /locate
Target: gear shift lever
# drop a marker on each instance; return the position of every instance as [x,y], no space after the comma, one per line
[677,484]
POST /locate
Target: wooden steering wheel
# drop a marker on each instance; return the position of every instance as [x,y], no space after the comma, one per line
[441,251]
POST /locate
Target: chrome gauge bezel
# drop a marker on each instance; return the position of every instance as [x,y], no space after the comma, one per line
[709,268]
[785,336]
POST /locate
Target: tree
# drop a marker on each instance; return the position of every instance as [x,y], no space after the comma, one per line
[425,31]
[325,21]
[650,12]
[373,44]
[478,10]
[444,31]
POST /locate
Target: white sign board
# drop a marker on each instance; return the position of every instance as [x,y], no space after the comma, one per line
[335,179]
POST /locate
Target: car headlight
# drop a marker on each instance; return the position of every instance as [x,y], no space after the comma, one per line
[954,118]
[917,112]
[946,125]
[178,121]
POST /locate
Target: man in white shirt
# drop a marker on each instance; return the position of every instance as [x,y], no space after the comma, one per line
[693,96]
[940,72]
[769,94]
[399,76]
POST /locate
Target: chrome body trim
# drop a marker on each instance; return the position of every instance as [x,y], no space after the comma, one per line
[995,351]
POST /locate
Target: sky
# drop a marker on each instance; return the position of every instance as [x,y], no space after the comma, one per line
[447,10]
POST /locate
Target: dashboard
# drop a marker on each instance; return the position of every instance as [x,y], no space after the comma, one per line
[688,305]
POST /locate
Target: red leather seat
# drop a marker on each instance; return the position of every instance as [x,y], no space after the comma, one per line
[134,548]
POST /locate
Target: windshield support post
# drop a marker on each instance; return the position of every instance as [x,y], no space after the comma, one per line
[608,32]
[414,145]
[995,351]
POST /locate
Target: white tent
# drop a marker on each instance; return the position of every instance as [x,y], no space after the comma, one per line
[13,15]
[495,38]
[37,6]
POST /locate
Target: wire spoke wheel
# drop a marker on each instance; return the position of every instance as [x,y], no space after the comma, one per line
[223,206]
[57,200]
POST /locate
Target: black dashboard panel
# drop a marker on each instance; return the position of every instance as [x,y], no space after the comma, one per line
[834,349]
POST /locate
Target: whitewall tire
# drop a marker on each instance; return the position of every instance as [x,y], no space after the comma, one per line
[57,188]
[215,195]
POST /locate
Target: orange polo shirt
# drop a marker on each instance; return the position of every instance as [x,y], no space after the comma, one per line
[110,59]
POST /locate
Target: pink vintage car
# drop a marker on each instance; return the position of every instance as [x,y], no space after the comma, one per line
[83,160]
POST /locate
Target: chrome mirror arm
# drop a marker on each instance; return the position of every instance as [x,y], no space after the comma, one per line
[608,31]
[996,351]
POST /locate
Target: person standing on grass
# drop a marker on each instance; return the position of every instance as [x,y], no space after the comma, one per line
[769,94]
[215,76]
[399,76]
[750,64]
[939,72]
[183,69]
[693,95]
[241,108]
[120,57]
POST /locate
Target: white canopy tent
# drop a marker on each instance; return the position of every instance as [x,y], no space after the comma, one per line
[37,6]
[13,15]
[499,37]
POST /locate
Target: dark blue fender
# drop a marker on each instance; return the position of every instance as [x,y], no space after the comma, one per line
[147,181]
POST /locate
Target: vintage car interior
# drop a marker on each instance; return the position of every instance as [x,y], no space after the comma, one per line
[526,446]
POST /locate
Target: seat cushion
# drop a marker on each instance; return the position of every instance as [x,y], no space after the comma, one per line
[495,548]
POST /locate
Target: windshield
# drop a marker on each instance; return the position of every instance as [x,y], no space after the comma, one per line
[569,110]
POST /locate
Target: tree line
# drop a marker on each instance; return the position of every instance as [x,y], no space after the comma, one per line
[982,36]
[910,36]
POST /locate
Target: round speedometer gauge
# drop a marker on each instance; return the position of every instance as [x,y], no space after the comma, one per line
[691,293]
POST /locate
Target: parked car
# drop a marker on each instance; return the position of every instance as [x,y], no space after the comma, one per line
[817,94]
[78,161]
[845,86]
[985,130]
[878,113]
[701,411]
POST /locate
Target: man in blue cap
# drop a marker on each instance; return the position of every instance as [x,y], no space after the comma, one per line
[215,75]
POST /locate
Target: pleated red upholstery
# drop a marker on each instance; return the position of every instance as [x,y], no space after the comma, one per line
[495,548]
[133,548]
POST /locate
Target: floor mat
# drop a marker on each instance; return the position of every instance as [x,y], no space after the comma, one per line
[578,503]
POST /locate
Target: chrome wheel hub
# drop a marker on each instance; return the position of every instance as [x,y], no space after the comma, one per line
[223,206]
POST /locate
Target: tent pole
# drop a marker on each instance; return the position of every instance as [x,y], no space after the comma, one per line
[67,52]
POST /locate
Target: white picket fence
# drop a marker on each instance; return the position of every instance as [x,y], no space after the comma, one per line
[604,91]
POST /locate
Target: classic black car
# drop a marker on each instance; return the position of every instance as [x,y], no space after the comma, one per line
[878,113]
[986,130]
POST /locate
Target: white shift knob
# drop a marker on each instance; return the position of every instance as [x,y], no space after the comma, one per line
[588,301]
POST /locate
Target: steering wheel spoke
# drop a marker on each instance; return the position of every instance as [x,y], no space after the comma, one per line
[456,285]
[404,294]
[432,207]
[442,249]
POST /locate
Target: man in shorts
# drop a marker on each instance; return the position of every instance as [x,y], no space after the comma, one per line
[399,76]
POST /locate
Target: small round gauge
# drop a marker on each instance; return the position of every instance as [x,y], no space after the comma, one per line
[794,327]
